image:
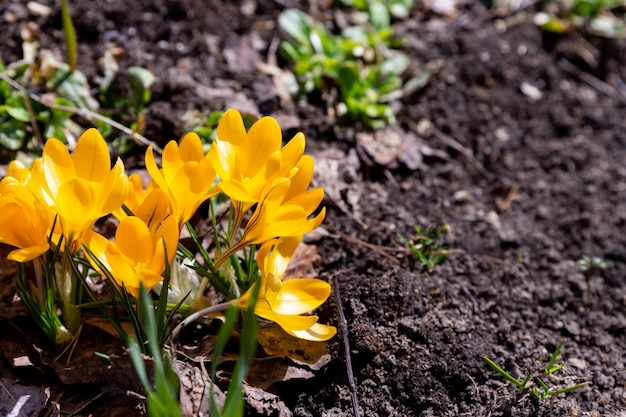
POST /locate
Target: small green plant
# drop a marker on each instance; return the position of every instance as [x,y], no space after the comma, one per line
[359,68]
[425,247]
[589,266]
[598,17]
[540,389]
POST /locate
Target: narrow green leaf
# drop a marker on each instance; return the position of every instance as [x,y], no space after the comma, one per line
[70,35]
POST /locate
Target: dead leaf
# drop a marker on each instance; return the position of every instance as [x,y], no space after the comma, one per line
[276,342]
[303,262]
[264,403]
[338,173]
[194,389]
[392,146]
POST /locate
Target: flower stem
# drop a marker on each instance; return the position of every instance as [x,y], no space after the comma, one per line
[193,317]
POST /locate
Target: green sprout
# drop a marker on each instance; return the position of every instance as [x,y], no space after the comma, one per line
[359,69]
[598,17]
[589,266]
[540,389]
[425,247]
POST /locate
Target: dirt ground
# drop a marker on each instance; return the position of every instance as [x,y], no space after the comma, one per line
[518,143]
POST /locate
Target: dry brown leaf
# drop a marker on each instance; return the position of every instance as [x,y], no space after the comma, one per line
[276,342]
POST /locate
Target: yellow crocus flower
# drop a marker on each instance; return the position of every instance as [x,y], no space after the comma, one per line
[284,211]
[24,223]
[186,176]
[286,302]
[138,254]
[136,195]
[79,188]
[248,163]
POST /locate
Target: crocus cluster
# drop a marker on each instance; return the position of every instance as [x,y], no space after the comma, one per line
[50,209]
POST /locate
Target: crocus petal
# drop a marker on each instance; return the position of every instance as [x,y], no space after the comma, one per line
[316,333]
[112,189]
[153,169]
[28,254]
[191,148]
[56,165]
[134,240]
[300,295]
[91,157]
[287,322]
[263,139]
[154,209]
[76,208]
[231,128]
[97,245]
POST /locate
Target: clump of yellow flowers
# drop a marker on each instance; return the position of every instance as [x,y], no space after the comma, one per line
[50,209]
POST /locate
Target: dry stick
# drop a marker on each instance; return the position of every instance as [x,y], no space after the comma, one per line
[594,82]
[381,250]
[454,144]
[82,112]
[346,347]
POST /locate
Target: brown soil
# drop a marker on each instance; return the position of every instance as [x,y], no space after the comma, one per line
[528,185]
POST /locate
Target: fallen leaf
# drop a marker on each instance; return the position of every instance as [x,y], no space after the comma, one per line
[265,403]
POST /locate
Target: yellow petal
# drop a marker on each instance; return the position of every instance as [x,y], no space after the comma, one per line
[191,148]
[293,150]
[316,333]
[28,254]
[153,169]
[91,157]
[165,238]
[236,191]
[264,138]
[97,245]
[300,295]
[76,205]
[56,165]
[154,209]
[112,190]
[231,128]
[302,178]
[287,322]
[170,161]
[134,240]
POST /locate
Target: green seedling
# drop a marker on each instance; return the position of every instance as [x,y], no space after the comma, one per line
[540,389]
[598,17]
[589,266]
[359,68]
[399,9]
[425,247]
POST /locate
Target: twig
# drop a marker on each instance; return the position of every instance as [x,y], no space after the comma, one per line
[381,250]
[594,82]
[82,112]
[346,347]
[454,144]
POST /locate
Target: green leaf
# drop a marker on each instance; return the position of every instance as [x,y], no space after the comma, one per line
[70,35]
[15,108]
[297,24]
[12,134]
[140,81]
[379,15]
